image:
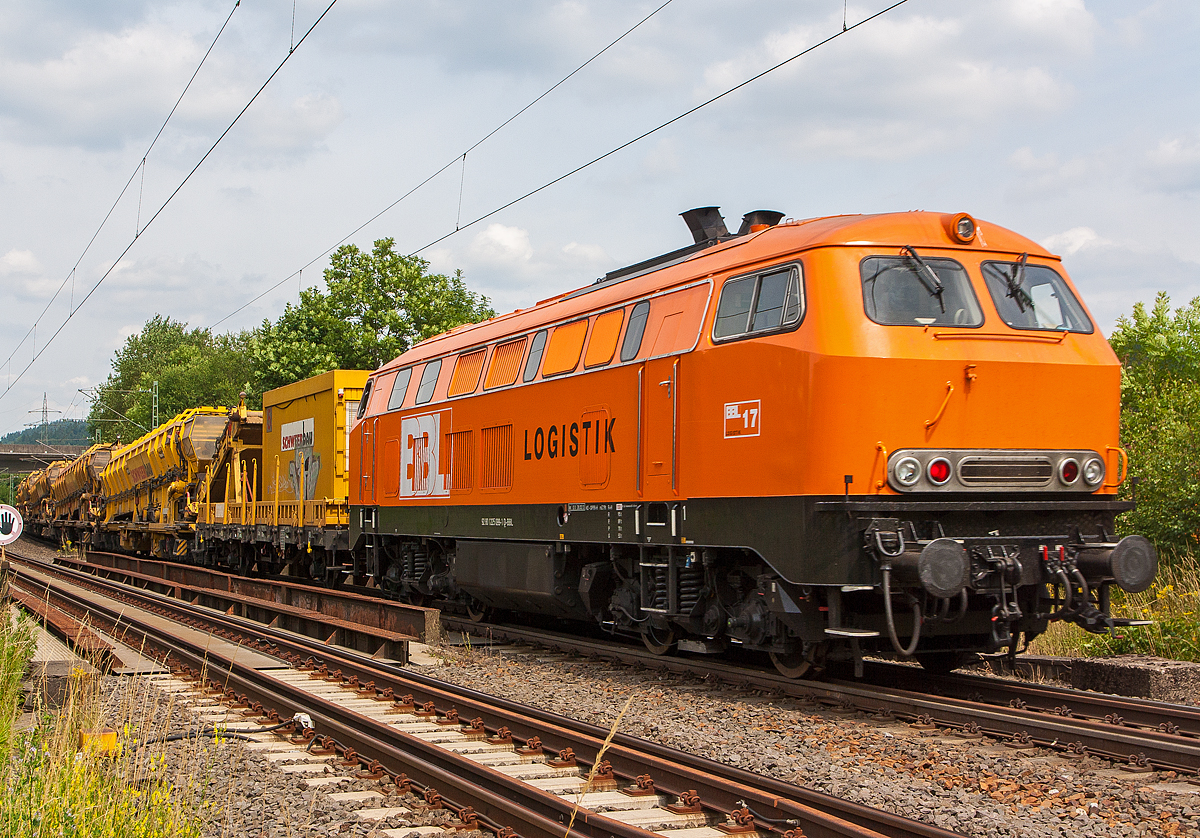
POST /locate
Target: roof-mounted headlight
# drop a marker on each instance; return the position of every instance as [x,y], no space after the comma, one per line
[962,228]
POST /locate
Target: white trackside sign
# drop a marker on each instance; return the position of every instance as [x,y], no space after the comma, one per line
[10,524]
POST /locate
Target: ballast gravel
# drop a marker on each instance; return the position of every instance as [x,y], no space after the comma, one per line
[244,794]
[977,789]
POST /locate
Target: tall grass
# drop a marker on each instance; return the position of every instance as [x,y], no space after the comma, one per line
[1172,604]
[52,786]
[16,650]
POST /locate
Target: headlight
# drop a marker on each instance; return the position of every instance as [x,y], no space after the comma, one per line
[939,471]
[907,471]
[1093,471]
[1068,471]
[962,228]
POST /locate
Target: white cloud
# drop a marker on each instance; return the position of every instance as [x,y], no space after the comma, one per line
[1070,242]
[88,93]
[276,130]
[586,254]
[501,245]
[1065,23]
[19,262]
[1174,164]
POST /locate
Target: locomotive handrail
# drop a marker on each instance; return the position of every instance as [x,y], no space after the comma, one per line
[929,423]
[972,335]
[1122,465]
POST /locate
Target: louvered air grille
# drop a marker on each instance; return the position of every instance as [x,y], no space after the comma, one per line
[1005,471]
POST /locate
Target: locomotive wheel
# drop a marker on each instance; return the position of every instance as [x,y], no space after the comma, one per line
[658,641]
[800,664]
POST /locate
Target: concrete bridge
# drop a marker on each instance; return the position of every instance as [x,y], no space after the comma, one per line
[19,459]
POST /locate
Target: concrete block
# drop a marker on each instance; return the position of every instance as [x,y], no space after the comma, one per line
[381,813]
[1140,676]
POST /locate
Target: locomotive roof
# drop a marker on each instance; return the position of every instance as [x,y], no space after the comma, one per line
[917,228]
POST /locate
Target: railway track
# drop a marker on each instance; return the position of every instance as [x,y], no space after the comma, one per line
[508,766]
[1136,734]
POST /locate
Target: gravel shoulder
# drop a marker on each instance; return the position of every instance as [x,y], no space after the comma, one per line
[984,790]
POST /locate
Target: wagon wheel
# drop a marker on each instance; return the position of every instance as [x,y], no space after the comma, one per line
[477,612]
[658,641]
[806,663]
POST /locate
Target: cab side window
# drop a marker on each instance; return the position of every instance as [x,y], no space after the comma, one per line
[535,356]
[765,302]
[399,388]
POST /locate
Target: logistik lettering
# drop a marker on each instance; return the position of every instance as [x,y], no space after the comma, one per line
[570,440]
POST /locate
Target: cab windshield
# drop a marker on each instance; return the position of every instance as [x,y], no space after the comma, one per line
[1034,297]
[912,290]
[201,434]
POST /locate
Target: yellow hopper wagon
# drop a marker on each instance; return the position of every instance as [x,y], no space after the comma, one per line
[151,485]
[78,496]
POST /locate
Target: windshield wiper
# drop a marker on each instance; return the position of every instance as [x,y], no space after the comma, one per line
[1016,284]
[925,273]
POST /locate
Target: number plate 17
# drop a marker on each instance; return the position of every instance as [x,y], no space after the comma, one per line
[743,418]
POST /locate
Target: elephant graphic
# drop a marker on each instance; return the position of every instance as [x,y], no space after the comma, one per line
[312,469]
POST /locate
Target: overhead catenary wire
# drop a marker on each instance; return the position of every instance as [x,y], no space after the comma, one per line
[140,167]
[168,200]
[447,165]
[659,127]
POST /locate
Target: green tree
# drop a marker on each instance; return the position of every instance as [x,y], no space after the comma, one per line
[58,432]
[1160,420]
[377,306]
[192,367]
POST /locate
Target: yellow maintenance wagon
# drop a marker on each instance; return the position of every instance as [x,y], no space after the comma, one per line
[151,484]
[276,494]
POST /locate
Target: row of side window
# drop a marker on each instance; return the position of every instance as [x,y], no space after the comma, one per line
[552,352]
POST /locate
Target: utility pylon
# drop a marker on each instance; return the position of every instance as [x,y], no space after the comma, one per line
[44,424]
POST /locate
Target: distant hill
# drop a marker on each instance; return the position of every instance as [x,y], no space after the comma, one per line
[58,432]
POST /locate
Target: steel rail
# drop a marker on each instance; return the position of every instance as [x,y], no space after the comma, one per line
[1124,711]
[497,798]
[1158,748]
[674,772]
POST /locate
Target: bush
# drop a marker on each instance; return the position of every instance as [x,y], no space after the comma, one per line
[1160,422]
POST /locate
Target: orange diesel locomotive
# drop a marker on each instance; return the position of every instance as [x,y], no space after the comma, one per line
[812,438]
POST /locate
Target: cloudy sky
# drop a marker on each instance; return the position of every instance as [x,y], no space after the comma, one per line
[1075,123]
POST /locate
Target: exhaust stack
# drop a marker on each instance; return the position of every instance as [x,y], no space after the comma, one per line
[757,220]
[706,223]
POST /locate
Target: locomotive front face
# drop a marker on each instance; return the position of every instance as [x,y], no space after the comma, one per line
[812,439]
[976,505]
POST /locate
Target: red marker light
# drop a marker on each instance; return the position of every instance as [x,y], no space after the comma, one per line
[939,471]
[1068,471]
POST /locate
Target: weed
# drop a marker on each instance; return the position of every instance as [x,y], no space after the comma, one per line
[53,786]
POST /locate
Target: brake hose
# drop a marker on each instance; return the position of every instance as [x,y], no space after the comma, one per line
[891,621]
